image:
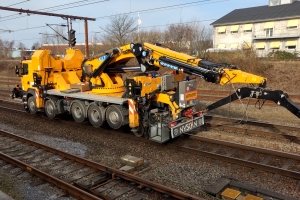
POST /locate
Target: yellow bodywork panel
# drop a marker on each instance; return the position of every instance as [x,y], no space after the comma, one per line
[71,77]
[42,59]
[165,98]
[238,76]
[60,83]
[73,59]
[122,56]
[149,84]
[108,83]
[60,72]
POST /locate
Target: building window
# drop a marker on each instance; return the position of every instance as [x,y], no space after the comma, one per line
[234,45]
[221,46]
[248,28]
[275,45]
[269,32]
[269,26]
[222,30]
[292,24]
[291,45]
[234,29]
[260,45]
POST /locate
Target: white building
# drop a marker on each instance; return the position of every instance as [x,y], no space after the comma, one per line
[264,28]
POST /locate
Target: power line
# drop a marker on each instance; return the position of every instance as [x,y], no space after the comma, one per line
[18,3]
[51,10]
[13,5]
[145,27]
[141,28]
[164,8]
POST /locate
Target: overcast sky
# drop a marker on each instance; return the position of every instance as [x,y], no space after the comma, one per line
[153,13]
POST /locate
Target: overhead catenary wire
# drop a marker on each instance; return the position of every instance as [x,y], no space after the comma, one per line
[16,16]
[18,3]
[152,9]
[164,8]
[102,31]
[188,4]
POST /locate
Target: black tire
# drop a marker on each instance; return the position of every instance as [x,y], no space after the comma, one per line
[32,105]
[78,111]
[96,115]
[50,109]
[139,132]
[115,116]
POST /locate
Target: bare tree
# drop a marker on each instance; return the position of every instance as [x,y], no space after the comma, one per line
[21,46]
[6,47]
[35,46]
[152,36]
[45,38]
[178,37]
[118,31]
[201,39]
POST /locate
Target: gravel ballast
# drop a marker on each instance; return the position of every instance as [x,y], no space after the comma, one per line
[185,172]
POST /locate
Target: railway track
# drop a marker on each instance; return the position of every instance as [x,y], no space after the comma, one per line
[223,123]
[77,176]
[276,130]
[258,159]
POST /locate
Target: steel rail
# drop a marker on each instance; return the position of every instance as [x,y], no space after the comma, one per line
[130,177]
[251,131]
[254,165]
[251,122]
[74,191]
[241,162]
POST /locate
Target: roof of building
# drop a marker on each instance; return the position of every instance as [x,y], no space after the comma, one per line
[260,14]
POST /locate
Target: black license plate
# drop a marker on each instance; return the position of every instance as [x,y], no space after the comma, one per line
[186,126]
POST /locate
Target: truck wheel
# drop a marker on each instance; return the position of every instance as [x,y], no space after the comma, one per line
[114,116]
[78,110]
[32,105]
[96,115]
[50,109]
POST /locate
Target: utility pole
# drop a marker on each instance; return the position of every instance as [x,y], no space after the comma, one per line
[68,17]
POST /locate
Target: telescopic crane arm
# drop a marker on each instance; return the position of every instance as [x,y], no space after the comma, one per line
[222,74]
[211,72]
[152,57]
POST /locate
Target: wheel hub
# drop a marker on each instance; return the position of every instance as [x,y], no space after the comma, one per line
[78,112]
[95,115]
[50,109]
[31,106]
[114,117]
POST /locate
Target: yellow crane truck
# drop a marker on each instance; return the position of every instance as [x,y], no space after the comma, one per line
[157,106]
